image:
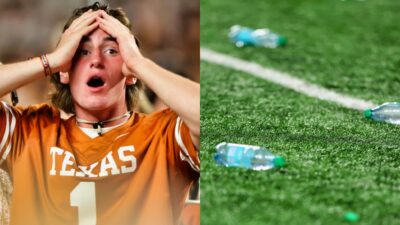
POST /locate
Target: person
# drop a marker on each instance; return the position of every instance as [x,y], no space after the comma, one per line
[105,164]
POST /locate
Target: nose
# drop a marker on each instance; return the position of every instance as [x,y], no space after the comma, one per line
[96,60]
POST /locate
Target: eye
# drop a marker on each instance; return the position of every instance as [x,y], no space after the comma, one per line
[83,52]
[111,51]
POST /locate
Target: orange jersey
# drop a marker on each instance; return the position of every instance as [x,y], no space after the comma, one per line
[191,213]
[138,173]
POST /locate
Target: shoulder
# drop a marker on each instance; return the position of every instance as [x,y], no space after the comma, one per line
[43,110]
[31,118]
[159,120]
[159,116]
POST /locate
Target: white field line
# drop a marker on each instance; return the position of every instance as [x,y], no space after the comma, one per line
[283,79]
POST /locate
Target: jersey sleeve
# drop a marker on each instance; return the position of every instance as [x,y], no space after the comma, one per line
[9,124]
[188,152]
[16,126]
[181,150]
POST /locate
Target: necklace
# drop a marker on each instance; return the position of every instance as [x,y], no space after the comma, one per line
[100,124]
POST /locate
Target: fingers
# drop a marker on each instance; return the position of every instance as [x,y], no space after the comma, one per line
[85,19]
[86,30]
[112,21]
[106,26]
[112,26]
[107,17]
[88,21]
[80,18]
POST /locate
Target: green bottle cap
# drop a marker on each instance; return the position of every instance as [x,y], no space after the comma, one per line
[351,217]
[368,113]
[282,41]
[279,161]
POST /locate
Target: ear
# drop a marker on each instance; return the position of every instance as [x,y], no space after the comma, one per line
[130,80]
[64,77]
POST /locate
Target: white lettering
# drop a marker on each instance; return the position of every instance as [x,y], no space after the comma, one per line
[86,171]
[53,152]
[115,162]
[110,165]
[127,158]
[67,161]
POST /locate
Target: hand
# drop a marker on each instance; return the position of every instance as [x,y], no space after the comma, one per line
[126,42]
[60,60]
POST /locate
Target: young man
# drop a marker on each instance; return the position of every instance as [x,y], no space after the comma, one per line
[105,164]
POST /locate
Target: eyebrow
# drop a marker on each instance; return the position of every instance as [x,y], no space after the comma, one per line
[85,39]
[108,38]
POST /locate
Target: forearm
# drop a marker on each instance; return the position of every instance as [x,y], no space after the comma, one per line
[180,94]
[15,75]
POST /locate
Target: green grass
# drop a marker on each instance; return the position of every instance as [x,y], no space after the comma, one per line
[337,161]
[351,46]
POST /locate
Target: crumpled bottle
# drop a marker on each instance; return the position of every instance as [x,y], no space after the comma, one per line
[388,112]
[243,36]
[247,156]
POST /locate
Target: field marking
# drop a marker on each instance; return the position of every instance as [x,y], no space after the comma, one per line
[284,80]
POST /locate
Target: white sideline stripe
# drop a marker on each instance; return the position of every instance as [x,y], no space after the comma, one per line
[284,80]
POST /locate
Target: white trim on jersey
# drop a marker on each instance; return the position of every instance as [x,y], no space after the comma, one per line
[192,202]
[184,154]
[8,132]
[13,121]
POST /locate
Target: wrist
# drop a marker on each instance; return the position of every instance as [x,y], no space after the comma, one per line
[137,65]
[53,62]
[46,66]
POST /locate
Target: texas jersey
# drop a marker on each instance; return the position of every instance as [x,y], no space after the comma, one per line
[137,173]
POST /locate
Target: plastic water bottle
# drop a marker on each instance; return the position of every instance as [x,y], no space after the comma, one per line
[247,156]
[388,112]
[242,36]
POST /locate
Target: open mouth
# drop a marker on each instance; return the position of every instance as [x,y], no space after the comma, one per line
[95,82]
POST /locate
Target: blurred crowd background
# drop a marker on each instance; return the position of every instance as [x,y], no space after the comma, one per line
[169,32]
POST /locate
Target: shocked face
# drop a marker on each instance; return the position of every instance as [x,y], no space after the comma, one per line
[95,79]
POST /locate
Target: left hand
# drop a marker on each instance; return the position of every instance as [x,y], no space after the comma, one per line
[126,42]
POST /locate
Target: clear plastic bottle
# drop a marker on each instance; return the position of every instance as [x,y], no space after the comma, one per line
[388,112]
[247,156]
[242,36]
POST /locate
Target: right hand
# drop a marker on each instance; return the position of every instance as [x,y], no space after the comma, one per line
[61,59]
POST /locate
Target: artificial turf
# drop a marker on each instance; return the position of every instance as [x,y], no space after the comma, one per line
[337,161]
[350,46]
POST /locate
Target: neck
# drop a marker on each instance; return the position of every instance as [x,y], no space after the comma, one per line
[115,115]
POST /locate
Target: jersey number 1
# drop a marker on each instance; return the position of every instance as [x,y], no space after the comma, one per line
[84,197]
